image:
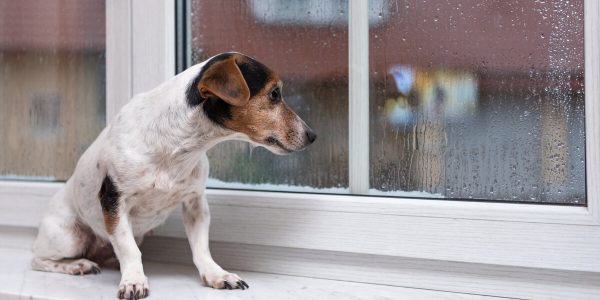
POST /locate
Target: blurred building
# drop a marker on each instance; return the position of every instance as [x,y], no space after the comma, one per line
[475,121]
[52,84]
[468,98]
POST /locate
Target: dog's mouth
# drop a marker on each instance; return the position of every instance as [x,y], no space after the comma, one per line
[272,141]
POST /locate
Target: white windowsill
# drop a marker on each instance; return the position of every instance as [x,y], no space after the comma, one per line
[173,281]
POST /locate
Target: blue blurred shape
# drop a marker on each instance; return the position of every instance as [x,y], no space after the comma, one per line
[404,78]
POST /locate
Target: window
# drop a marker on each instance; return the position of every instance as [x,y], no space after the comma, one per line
[479,100]
[52,85]
[310,56]
[475,100]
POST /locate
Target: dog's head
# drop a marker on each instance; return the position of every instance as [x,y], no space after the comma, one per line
[243,95]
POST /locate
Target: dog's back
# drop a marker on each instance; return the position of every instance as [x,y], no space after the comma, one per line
[152,157]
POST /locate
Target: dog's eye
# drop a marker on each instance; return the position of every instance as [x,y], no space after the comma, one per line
[275,95]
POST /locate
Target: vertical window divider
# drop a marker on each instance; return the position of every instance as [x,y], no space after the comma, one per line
[119,81]
[592,107]
[358,91]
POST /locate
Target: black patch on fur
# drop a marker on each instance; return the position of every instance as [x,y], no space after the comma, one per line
[216,109]
[192,93]
[255,74]
[109,196]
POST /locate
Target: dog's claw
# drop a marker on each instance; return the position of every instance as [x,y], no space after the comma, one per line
[240,285]
[96,270]
[133,289]
[245,284]
[224,280]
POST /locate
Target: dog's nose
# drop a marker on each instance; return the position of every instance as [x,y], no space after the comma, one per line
[311,136]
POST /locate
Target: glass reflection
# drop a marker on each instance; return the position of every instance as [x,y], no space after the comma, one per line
[52,85]
[305,42]
[479,99]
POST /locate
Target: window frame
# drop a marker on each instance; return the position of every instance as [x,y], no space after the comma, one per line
[140,54]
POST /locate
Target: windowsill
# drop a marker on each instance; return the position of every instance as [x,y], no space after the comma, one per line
[173,281]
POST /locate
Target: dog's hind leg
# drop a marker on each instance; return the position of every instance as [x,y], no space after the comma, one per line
[62,242]
[79,266]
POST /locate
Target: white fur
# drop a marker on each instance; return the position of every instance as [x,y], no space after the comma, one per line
[152,150]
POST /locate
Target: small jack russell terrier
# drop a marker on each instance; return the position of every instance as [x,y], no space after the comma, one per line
[151,158]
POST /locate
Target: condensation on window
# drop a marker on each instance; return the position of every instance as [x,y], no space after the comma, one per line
[305,43]
[52,85]
[479,99]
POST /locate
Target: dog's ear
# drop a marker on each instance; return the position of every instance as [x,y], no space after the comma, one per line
[225,80]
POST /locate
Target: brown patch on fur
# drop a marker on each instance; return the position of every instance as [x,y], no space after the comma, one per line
[109,196]
[192,210]
[110,221]
[261,119]
[195,172]
[225,80]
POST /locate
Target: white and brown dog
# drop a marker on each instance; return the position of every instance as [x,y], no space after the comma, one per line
[151,158]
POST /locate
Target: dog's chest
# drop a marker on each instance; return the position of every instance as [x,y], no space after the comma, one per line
[150,208]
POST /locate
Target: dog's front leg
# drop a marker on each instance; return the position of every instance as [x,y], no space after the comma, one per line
[134,284]
[196,218]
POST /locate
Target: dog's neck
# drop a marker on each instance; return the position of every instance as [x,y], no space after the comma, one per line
[182,150]
[175,136]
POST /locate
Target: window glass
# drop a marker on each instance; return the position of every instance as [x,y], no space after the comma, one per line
[52,85]
[305,43]
[478,99]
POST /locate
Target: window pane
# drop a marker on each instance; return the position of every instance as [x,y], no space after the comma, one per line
[479,99]
[52,85]
[305,42]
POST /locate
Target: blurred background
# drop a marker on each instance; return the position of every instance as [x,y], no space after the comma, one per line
[52,85]
[468,99]
[479,100]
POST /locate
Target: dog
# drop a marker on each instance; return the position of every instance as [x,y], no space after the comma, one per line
[151,158]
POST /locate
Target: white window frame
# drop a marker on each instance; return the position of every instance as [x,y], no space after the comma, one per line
[526,241]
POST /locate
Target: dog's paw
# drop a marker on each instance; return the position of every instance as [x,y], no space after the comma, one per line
[81,267]
[224,280]
[133,289]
